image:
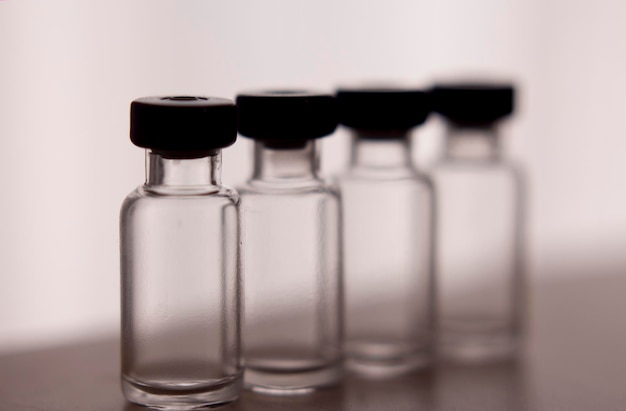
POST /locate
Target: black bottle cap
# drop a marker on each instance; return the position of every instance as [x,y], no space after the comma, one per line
[383,110]
[473,104]
[286,119]
[183,126]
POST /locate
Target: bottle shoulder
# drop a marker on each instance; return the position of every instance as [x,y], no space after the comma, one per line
[477,167]
[403,176]
[143,196]
[317,187]
[506,175]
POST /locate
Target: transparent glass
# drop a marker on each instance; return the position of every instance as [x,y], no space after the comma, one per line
[292,268]
[388,214]
[181,289]
[479,258]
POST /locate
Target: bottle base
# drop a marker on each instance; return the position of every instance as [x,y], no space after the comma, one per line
[386,360]
[171,397]
[477,348]
[291,382]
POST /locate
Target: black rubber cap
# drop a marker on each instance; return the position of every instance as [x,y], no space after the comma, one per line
[473,104]
[183,126]
[286,118]
[383,110]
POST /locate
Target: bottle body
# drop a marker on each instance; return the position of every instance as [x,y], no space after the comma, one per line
[388,214]
[480,283]
[292,266]
[181,290]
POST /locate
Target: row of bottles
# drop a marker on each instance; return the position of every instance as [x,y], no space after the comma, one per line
[381,271]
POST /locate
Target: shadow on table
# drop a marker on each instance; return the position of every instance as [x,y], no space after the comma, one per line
[497,386]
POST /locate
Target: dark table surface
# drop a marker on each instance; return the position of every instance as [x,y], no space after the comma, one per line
[575,359]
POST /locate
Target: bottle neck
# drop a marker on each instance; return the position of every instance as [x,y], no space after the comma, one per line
[472,143]
[291,164]
[183,173]
[388,151]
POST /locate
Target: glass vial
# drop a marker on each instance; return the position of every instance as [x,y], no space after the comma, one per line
[480,288]
[388,215]
[181,287]
[291,256]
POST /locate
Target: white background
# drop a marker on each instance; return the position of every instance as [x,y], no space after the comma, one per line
[69,69]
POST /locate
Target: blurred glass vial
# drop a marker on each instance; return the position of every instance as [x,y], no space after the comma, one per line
[291,256]
[479,254]
[180,277]
[388,215]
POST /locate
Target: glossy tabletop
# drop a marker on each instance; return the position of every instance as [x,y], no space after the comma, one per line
[575,359]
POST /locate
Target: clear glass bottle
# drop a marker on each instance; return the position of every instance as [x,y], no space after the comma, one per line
[181,287]
[480,279]
[388,214]
[291,255]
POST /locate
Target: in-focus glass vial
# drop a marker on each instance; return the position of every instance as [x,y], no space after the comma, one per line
[181,286]
[479,258]
[388,215]
[291,255]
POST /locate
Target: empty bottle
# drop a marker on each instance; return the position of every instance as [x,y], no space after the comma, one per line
[291,256]
[181,286]
[480,279]
[388,214]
